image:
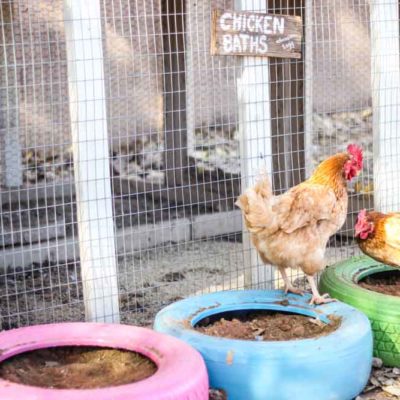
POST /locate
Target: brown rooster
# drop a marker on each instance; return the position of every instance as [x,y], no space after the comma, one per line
[378,236]
[292,230]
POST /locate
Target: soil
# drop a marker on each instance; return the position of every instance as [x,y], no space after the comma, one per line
[265,325]
[387,282]
[77,368]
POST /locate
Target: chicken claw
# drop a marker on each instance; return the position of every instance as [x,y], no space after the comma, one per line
[316,297]
[288,286]
[292,289]
[321,299]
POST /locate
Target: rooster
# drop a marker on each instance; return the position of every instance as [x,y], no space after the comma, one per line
[378,236]
[292,230]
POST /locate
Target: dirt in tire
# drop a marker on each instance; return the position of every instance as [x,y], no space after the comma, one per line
[386,282]
[76,367]
[265,326]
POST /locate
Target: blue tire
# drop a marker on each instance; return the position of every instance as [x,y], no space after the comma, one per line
[332,367]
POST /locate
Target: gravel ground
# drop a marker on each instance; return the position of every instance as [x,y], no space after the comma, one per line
[148,280]
[176,271]
[384,383]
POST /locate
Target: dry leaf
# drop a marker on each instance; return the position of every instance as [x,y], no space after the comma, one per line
[375,382]
[316,321]
[394,390]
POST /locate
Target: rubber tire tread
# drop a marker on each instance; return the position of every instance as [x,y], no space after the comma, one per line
[340,281]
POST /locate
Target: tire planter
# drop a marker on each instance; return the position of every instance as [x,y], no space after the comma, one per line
[181,372]
[340,281]
[335,366]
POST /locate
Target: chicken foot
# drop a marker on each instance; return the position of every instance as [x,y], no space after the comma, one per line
[316,297]
[289,288]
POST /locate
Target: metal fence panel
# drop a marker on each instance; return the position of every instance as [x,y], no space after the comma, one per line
[179,145]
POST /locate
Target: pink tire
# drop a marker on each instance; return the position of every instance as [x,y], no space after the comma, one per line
[181,373]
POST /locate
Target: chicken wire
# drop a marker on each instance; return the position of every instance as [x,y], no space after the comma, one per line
[175,139]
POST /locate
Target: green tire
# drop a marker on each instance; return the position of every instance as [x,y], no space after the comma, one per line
[340,281]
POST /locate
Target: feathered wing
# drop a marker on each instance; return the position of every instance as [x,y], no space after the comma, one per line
[392,230]
[305,204]
[302,205]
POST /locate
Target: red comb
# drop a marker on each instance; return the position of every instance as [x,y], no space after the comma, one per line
[362,214]
[356,152]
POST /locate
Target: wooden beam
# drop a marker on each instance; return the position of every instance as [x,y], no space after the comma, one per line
[173,22]
[287,105]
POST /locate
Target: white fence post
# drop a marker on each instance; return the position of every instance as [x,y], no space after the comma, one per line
[91,159]
[256,140]
[385,63]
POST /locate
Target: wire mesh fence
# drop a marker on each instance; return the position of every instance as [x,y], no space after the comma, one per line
[118,127]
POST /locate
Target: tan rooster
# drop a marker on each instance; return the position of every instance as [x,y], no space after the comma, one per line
[292,230]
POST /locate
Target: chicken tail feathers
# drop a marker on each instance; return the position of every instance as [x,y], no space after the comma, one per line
[242,203]
[255,204]
[263,187]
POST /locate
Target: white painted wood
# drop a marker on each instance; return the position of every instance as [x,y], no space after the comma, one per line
[256,140]
[308,83]
[91,159]
[10,150]
[385,63]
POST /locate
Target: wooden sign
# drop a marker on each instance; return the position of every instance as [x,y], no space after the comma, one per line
[255,34]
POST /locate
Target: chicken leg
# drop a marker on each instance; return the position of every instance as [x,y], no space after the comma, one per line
[316,297]
[289,288]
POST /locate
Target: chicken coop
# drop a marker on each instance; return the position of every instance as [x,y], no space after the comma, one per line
[125,142]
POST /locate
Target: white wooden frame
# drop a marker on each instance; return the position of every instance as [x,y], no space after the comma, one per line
[91,159]
[256,141]
[385,63]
